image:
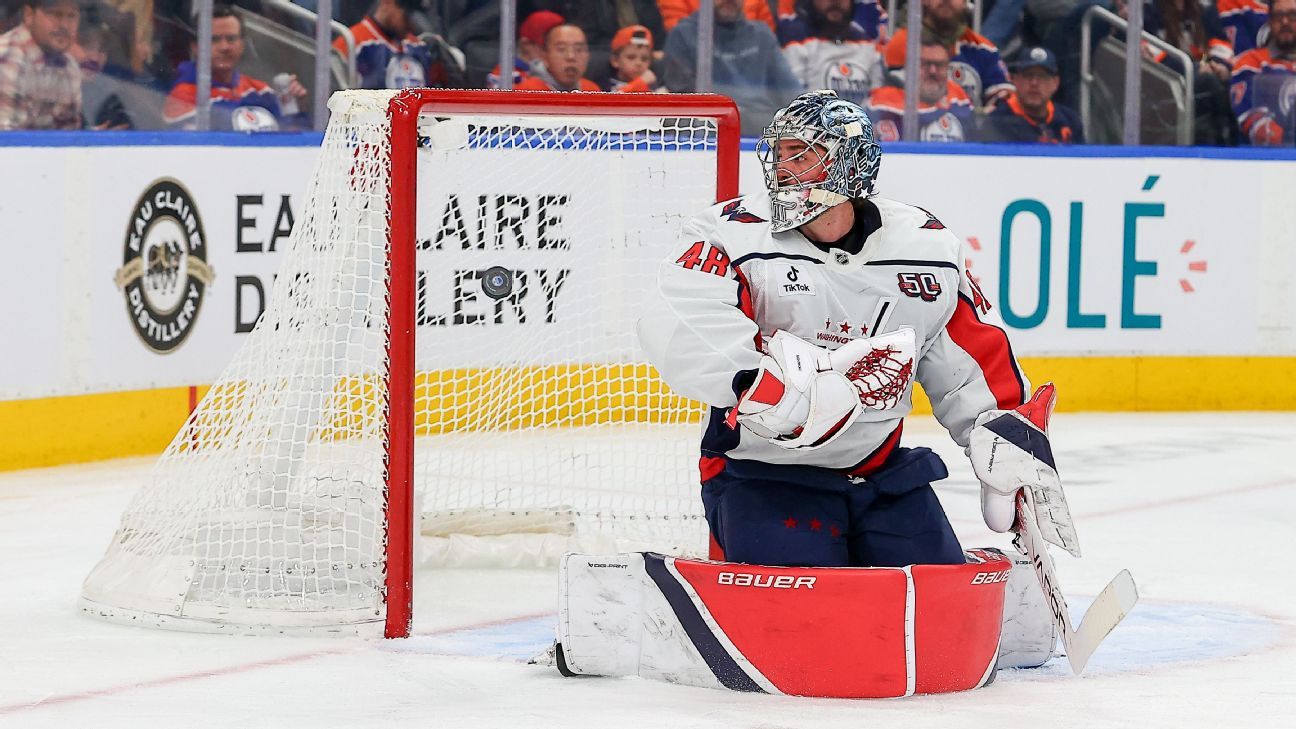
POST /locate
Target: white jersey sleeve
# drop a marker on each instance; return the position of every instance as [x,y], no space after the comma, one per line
[969,367]
[694,327]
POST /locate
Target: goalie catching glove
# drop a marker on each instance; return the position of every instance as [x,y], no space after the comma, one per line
[805,396]
[1010,451]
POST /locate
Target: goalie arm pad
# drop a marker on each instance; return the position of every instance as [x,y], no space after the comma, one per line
[841,632]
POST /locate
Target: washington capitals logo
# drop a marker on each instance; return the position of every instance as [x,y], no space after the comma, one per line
[932,223]
[735,211]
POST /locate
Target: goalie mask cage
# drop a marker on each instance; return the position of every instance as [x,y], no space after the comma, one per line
[451,335]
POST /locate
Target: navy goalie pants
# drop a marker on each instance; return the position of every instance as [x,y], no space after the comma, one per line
[806,516]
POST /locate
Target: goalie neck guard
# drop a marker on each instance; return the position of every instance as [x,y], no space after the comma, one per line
[837,130]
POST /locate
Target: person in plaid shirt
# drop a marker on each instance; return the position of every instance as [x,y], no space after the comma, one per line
[40,84]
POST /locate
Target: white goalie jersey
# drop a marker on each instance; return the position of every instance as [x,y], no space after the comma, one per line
[732,283]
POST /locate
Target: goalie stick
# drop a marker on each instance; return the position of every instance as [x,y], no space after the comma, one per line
[1111,606]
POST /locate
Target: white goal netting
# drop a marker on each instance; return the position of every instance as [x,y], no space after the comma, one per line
[538,424]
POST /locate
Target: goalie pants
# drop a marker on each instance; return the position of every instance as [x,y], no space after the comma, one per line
[806,516]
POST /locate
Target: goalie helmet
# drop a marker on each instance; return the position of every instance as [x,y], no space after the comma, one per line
[850,157]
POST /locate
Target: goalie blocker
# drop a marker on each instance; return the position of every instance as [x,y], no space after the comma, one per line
[870,632]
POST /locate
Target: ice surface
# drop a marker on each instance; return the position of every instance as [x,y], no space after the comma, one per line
[1200,508]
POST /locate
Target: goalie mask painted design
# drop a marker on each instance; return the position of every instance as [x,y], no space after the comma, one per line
[850,157]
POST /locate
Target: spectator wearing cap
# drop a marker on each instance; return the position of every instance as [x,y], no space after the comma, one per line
[602,20]
[1264,83]
[40,83]
[827,49]
[747,64]
[632,54]
[944,110]
[566,58]
[530,47]
[388,54]
[1030,114]
[238,101]
[975,63]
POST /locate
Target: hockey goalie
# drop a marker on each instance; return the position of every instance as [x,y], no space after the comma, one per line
[802,316]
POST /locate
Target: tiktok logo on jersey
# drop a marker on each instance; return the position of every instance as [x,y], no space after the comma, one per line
[790,280]
[164,274]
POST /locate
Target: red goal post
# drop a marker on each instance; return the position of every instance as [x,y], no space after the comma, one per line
[406,109]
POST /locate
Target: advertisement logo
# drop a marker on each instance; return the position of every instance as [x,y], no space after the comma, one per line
[164,274]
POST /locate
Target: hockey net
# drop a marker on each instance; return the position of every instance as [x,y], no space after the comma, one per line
[449,351]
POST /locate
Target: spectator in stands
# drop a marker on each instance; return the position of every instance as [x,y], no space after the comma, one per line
[1264,83]
[1242,21]
[944,110]
[867,14]
[389,55]
[1029,115]
[827,49]
[975,64]
[1001,22]
[673,11]
[602,19]
[40,84]
[238,101]
[747,65]
[530,47]
[566,58]
[1196,31]
[100,106]
[136,16]
[632,54]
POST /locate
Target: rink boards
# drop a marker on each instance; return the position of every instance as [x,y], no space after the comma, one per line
[1135,283]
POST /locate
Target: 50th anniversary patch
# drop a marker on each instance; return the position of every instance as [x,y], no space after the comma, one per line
[164,274]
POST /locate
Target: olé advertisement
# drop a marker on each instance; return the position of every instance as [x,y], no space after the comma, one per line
[135,268]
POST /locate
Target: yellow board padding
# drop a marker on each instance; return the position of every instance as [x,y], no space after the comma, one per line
[553,395]
[80,428]
[1116,384]
[54,431]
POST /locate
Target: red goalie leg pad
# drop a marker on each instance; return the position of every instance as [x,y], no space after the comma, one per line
[850,632]
[958,612]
